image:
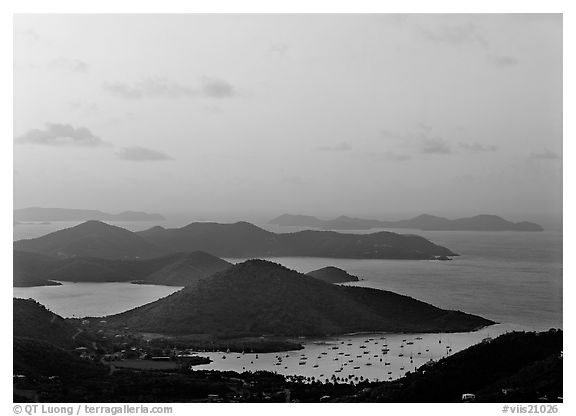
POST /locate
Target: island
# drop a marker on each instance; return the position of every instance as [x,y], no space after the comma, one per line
[423,222]
[38,214]
[332,274]
[259,297]
[238,240]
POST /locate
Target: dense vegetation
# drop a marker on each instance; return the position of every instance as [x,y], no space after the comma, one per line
[332,274]
[239,240]
[33,320]
[262,298]
[90,239]
[181,269]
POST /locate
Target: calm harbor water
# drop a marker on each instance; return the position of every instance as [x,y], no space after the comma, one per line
[512,278]
[77,300]
[376,357]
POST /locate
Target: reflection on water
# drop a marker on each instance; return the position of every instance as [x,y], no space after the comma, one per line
[504,276]
[93,299]
[370,356]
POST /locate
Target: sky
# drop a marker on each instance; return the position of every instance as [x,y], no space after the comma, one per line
[237,116]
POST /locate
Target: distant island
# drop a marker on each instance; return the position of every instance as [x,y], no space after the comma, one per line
[65,214]
[181,269]
[238,240]
[423,222]
[258,297]
[332,274]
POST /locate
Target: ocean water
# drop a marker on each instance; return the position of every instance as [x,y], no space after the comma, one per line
[511,278]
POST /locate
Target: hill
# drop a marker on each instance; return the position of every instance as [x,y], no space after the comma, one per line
[258,297]
[421,222]
[29,269]
[332,274]
[245,240]
[181,269]
[187,269]
[90,239]
[65,214]
[238,240]
[33,320]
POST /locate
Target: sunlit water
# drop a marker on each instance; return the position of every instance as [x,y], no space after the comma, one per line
[512,278]
[353,356]
[93,299]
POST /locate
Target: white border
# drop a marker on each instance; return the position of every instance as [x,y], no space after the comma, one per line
[293,6]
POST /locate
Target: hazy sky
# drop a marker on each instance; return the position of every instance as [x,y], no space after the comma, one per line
[374,115]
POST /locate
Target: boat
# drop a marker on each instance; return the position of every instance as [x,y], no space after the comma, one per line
[409,343]
[368,363]
[386,363]
[400,355]
[315,365]
[356,368]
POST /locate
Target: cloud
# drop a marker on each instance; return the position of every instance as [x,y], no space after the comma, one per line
[454,35]
[74,65]
[61,135]
[546,154]
[158,87]
[503,61]
[217,88]
[340,147]
[142,154]
[477,147]
[436,146]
